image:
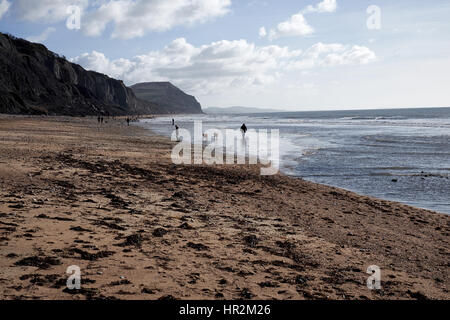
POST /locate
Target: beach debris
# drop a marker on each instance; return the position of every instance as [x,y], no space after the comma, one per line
[417,295]
[40,262]
[40,280]
[327,219]
[19,205]
[80,229]
[299,279]
[133,240]
[268,284]
[148,290]
[159,232]
[194,278]
[111,225]
[44,216]
[90,293]
[186,226]
[197,246]
[251,240]
[180,194]
[116,201]
[38,201]
[120,282]
[84,255]
[246,294]
[167,298]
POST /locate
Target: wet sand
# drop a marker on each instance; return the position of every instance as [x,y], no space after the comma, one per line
[109,200]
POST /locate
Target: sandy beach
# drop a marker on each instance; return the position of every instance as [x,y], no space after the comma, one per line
[109,200]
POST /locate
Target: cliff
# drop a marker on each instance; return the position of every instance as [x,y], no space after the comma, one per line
[168,97]
[34,80]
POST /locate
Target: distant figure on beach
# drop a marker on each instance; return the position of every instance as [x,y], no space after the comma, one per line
[244,130]
[177,132]
[98,119]
[173,122]
[128,121]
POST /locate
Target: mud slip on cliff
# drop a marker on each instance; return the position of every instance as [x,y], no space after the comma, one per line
[35,81]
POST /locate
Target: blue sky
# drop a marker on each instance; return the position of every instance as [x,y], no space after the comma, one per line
[313,55]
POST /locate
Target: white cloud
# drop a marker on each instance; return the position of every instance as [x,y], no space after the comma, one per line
[333,55]
[43,36]
[262,32]
[98,62]
[324,6]
[216,66]
[129,18]
[4,7]
[294,26]
[48,11]
[222,65]
[136,18]
[297,25]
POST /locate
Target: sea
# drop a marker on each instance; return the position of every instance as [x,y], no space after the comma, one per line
[401,155]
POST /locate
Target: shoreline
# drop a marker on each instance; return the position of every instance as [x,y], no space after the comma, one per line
[285,170]
[109,200]
[379,198]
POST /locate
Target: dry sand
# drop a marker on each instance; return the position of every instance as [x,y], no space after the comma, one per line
[109,200]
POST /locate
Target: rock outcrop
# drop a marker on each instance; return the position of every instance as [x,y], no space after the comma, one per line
[34,80]
[168,97]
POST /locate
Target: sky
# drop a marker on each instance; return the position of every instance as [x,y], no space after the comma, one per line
[279,54]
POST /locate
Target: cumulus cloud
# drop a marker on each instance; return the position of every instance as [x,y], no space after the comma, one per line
[43,36]
[129,18]
[222,65]
[4,7]
[297,25]
[48,11]
[97,61]
[203,69]
[262,32]
[332,55]
[324,6]
[136,18]
[294,26]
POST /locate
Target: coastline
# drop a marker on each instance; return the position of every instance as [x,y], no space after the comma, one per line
[109,200]
[398,158]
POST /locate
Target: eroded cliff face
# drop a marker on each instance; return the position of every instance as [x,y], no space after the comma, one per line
[34,80]
[167,96]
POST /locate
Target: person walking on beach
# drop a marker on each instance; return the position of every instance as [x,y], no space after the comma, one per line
[177,133]
[128,121]
[244,130]
[173,122]
[98,119]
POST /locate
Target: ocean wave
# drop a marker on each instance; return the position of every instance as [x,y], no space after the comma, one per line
[423,175]
[310,151]
[374,118]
